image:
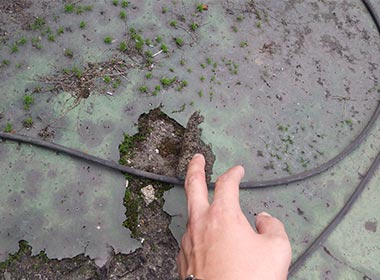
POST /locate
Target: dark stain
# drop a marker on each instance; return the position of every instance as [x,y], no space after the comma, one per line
[370,226]
[300,212]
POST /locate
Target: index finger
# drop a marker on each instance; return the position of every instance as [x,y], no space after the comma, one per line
[196,187]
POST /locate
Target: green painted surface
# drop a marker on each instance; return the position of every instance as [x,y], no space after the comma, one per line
[283,86]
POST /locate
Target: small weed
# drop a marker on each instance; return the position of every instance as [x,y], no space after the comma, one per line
[77,72]
[209,60]
[194,26]
[21,41]
[51,37]
[14,48]
[68,53]
[60,30]
[166,82]
[179,41]
[5,62]
[149,57]
[201,7]
[158,39]
[164,48]
[108,40]
[173,23]
[164,10]
[148,42]
[258,25]
[36,43]
[107,79]
[149,75]
[348,122]
[69,8]
[123,46]
[116,83]
[124,4]
[38,24]
[123,14]
[8,128]
[82,24]
[203,65]
[143,89]
[240,18]
[200,93]
[28,122]
[28,101]
[234,28]
[243,44]
[115,2]
[202,78]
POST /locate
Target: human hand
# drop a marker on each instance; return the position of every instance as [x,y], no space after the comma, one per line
[219,243]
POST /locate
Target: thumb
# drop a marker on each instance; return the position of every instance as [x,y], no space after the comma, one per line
[268,225]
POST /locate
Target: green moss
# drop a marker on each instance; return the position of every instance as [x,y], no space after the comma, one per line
[69,8]
[127,146]
[179,41]
[123,15]
[124,4]
[143,89]
[82,24]
[68,53]
[8,128]
[24,249]
[107,39]
[22,41]
[14,48]
[166,82]
[38,24]
[107,79]
[28,122]
[194,26]
[51,37]
[123,46]
[60,30]
[28,101]
[164,48]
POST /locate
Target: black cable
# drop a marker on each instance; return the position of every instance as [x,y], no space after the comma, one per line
[244,185]
[176,181]
[338,218]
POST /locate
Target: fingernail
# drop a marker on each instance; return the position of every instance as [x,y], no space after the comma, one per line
[196,156]
[264,214]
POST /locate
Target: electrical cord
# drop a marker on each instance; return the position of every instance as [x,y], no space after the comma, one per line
[337,219]
[177,181]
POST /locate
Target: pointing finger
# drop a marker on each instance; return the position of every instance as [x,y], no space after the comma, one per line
[196,187]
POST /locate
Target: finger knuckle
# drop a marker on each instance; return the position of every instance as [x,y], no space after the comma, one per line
[194,178]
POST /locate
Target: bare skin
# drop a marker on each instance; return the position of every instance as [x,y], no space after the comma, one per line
[219,243]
